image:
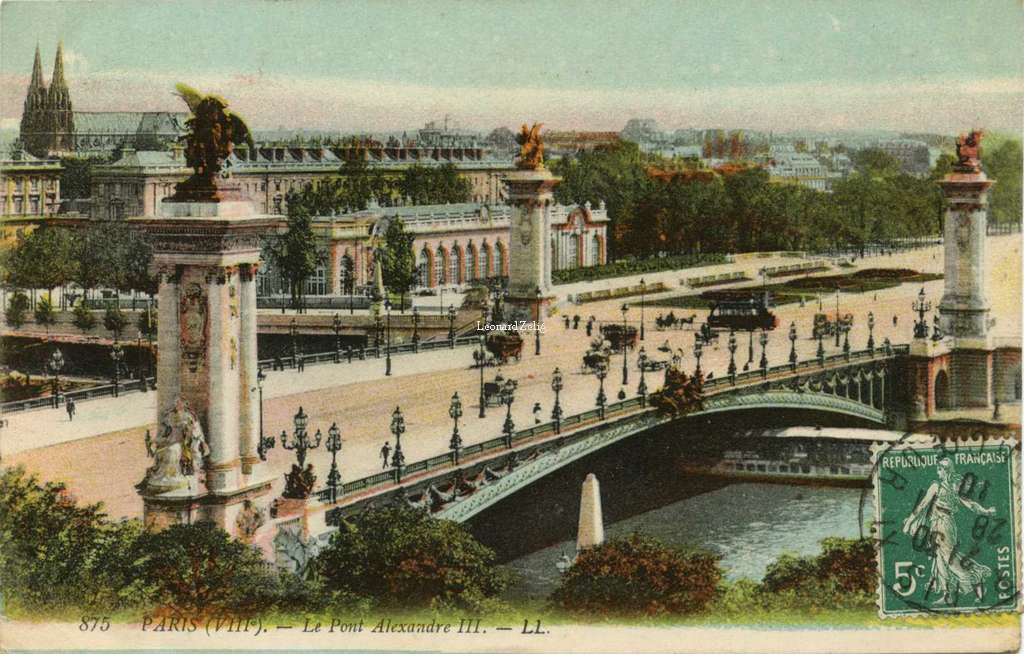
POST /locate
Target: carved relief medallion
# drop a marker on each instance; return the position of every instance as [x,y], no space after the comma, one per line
[193,320]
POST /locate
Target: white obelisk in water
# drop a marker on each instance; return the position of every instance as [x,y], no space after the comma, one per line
[591,526]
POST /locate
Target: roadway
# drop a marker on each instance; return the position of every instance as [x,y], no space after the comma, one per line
[101,455]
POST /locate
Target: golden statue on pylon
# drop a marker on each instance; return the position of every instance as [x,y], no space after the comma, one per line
[968,151]
[531,148]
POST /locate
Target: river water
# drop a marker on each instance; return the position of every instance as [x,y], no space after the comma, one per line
[747,524]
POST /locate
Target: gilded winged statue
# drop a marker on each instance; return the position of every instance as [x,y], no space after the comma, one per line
[531,148]
[968,150]
[212,134]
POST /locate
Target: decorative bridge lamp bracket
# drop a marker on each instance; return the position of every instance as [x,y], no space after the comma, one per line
[265,442]
[732,355]
[455,412]
[871,332]
[300,441]
[397,429]
[556,410]
[333,445]
[922,306]
[792,345]
[764,353]
[507,398]
[698,352]
[641,390]
[601,371]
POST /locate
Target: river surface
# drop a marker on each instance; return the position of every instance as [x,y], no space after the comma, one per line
[748,524]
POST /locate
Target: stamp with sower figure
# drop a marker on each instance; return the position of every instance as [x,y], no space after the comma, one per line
[948,526]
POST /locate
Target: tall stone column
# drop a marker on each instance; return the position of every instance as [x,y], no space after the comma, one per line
[223,399]
[530,192]
[248,364]
[168,345]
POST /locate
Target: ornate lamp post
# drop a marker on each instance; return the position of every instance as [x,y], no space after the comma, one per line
[480,356]
[625,350]
[837,315]
[536,327]
[266,442]
[764,352]
[337,338]
[300,441]
[922,306]
[792,344]
[732,354]
[846,339]
[333,446]
[451,325]
[556,410]
[455,412]
[117,356]
[821,347]
[55,364]
[643,294]
[398,428]
[387,343]
[641,390]
[508,396]
[750,350]
[698,351]
[601,371]
[871,331]
[415,326]
[293,331]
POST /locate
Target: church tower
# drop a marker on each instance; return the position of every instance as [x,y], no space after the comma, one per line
[34,118]
[61,121]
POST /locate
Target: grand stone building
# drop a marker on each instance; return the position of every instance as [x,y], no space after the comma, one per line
[454,244]
[51,127]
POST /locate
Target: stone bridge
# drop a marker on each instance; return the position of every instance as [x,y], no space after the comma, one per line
[860,384]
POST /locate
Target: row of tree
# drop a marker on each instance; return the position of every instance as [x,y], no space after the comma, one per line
[692,210]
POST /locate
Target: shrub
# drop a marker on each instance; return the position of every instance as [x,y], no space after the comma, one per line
[638,575]
[44,313]
[83,318]
[635,266]
[17,309]
[400,556]
[147,323]
[843,574]
[115,320]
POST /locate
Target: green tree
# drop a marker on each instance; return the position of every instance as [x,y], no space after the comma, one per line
[147,323]
[44,313]
[400,556]
[199,567]
[76,176]
[398,263]
[17,309]
[82,318]
[439,185]
[875,162]
[844,573]
[638,575]
[115,320]
[44,259]
[1003,164]
[295,254]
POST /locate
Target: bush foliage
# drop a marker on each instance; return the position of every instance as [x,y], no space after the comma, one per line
[638,576]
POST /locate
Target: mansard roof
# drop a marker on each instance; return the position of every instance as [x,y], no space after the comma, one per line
[128,122]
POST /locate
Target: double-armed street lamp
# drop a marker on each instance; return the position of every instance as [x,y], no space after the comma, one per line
[337,338]
[643,298]
[387,343]
[266,442]
[480,356]
[871,331]
[601,371]
[625,348]
[116,357]
[764,352]
[300,441]
[792,344]
[556,410]
[333,446]
[922,306]
[641,390]
[508,396]
[55,364]
[732,354]
[397,429]
[455,412]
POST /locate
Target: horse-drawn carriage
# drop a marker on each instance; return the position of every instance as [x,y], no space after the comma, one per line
[505,346]
[595,358]
[672,321]
[493,389]
[825,325]
[619,336]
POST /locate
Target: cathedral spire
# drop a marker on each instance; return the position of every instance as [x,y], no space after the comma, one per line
[58,67]
[37,73]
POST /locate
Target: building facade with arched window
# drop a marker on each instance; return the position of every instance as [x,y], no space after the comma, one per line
[453,244]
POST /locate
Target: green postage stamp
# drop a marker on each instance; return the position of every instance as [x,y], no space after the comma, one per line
[948,532]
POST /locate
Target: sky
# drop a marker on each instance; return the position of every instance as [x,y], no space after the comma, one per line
[926,65]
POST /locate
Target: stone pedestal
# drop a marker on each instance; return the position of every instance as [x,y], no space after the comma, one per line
[964,309]
[530,194]
[590,531]
[206,255]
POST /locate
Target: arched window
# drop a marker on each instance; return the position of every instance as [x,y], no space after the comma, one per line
[499,262]
[346,274]
[485,263]
[470,263]
[595,249]
[423,268]
[439,259]
[571,257]
[454,264]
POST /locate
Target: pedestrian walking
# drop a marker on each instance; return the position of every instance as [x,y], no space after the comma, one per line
[566,320]
[894,320]
[302,363]
[385,453]
[278,364]
[576,321]
[536,413]
[70,407]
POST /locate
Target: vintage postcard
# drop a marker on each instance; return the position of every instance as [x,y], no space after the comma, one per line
[550,327]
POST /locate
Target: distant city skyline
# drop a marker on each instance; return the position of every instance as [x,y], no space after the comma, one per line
[360,66]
